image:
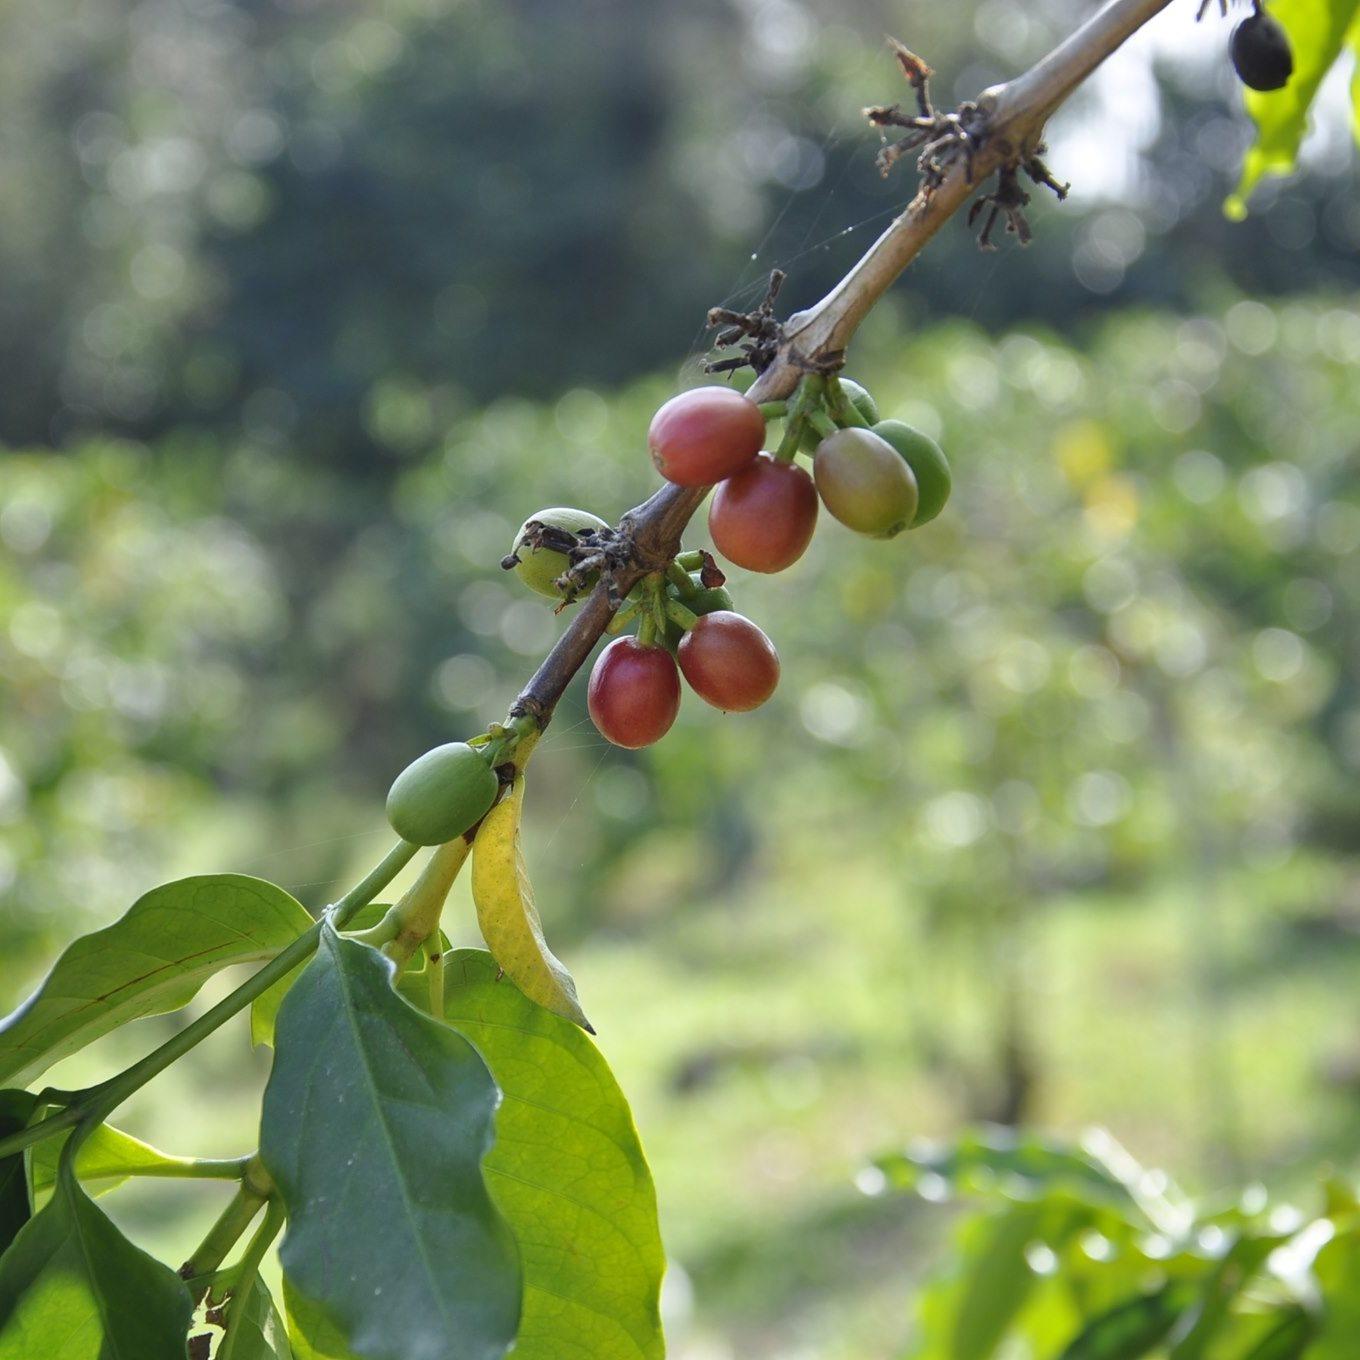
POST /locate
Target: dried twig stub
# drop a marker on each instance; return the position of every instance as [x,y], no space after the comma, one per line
[758,334]
[943,139]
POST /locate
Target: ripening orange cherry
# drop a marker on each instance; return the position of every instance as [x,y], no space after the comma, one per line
[763,517]
[704,435]
[865,483]
[729,662]
[634,693]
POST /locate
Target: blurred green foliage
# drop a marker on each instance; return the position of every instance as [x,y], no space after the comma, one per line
[1054,817]
[1079,1253]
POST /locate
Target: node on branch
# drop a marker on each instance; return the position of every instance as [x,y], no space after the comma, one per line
[758,334]
[945,138]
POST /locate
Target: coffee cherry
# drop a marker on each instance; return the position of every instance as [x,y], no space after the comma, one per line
[706,600]
[926,459]
[762,519]
[864,483]
[705,435]
[729,662]
[440,795]
[634,693]
[709,600]
[1260,52]
[538,568]
[859,397]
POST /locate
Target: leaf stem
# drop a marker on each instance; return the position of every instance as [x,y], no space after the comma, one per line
[251,1195]
[435,973]
[249,1265]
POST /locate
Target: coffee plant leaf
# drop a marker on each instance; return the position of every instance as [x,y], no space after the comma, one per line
[377,1120]
[259,1333]
[16,1112]
[508,916]
[152,960]
[567,1166]
[103,1161]
[71,1285]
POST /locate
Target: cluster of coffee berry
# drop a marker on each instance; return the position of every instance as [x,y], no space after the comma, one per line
[876,476]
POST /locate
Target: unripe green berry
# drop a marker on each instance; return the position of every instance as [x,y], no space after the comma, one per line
[441,794]
[706,600]
[538,568]
[864,483]
[859,397]
[926,459]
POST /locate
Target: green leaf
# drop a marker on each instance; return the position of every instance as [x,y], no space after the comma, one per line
[996,1162]
[1226,1281]
[966,1315]
[568,1172]
[16,1112]
[1317,31]
[1289,1337]
[73,1286]
[312,1335]
[104,1160]
[1336,1269]
[1131,1329]
[377,1119]
[259,1333]
[264,1010]
[154,959]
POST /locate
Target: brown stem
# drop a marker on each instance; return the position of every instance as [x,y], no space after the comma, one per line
[1015,116]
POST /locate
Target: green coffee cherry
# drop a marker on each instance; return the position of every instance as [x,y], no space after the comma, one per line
[707,600]
[926,460]
[864,483]
[440,795]
[538,568]
[859,397]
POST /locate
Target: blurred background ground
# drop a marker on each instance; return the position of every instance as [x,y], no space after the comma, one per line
[1054,818]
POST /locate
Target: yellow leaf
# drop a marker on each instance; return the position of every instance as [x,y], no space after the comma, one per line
[508,917]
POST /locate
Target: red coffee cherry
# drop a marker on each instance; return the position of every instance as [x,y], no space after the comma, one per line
[634,693]
[702,436]
[729,662]
[763,517]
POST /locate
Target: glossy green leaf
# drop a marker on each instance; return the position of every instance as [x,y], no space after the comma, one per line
[1023,1167]
[567,1171]
[377,1119]
[264,1010]
[311,1333]
[259,1333]
[154,959]
[1317,33]
[1130,1330]
[72,1286]
[16,1112]
[104,1160]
